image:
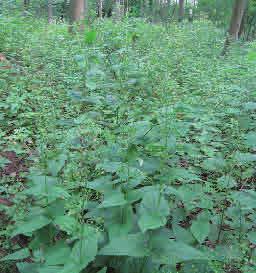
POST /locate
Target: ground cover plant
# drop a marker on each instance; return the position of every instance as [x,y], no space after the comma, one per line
[129,148]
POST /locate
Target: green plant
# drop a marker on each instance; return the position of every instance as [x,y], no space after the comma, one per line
[142,149]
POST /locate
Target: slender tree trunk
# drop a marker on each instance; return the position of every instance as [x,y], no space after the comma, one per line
[50,11]
[244,20]
[155,4]
[126,7]
[64,10]
[181,10]
[250,24]
[118,10]
[26,4]
[77,10]
[25,7]
[236,20]
[173,12]
[100,5]
[253,34]
[241,30]
[142,8]
[235,23]
[190,16]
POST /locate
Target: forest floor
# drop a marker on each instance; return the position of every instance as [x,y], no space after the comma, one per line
[161,102]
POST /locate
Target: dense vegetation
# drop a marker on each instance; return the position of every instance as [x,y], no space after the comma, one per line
[129,148]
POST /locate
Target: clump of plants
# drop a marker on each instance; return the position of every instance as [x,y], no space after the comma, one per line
[142,154]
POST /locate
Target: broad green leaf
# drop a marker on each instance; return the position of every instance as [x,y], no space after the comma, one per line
[148,165]
[142,265]
[184,252]
[131,153]
[182,234]
[46,186]
[50,269]
[56,209]
[244,122]
[18,255]
[43,236]
[159,242]
[90,36]
[43,180]
[56,193]
[169,252]
[250,106]
[252,237]
[205,202]
[168,269]
[171,143]
[66,223]
[172,191]
[87,231]
[72,267]
[57,254]
[137,194]
[55,165]
[249,268]
[227,252]
[191,195]
[178,215]
[214,164]
[196,267]
[153,211]
[3,189]
[91,100]
[75,96]
[52,193]
[130,176]
[3,161]
[79,58]
[83,252]
[245,158]
[142,129]
[109,166]
[32,225]
[119,221]
[181,174]
[27,267]
[103,270]
[133,245]
[226,182]
[250,139]
[251,56]
[201,227]
[114,198]
[101,184]
[246,199]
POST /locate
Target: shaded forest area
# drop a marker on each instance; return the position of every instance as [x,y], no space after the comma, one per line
[127,136]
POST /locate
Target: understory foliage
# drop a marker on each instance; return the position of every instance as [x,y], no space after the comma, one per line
[141,146]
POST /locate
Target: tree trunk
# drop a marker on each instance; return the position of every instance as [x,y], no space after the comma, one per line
[251,23]
[181,10]
[50,11]
[77,9]
[235,23]
[173,12]
[118,12]
[126,7]
[26,4]
[236,20]
[190,16]
[243,22]
[155,6]
[100,6]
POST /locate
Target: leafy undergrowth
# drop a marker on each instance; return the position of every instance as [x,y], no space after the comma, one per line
[140,143]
